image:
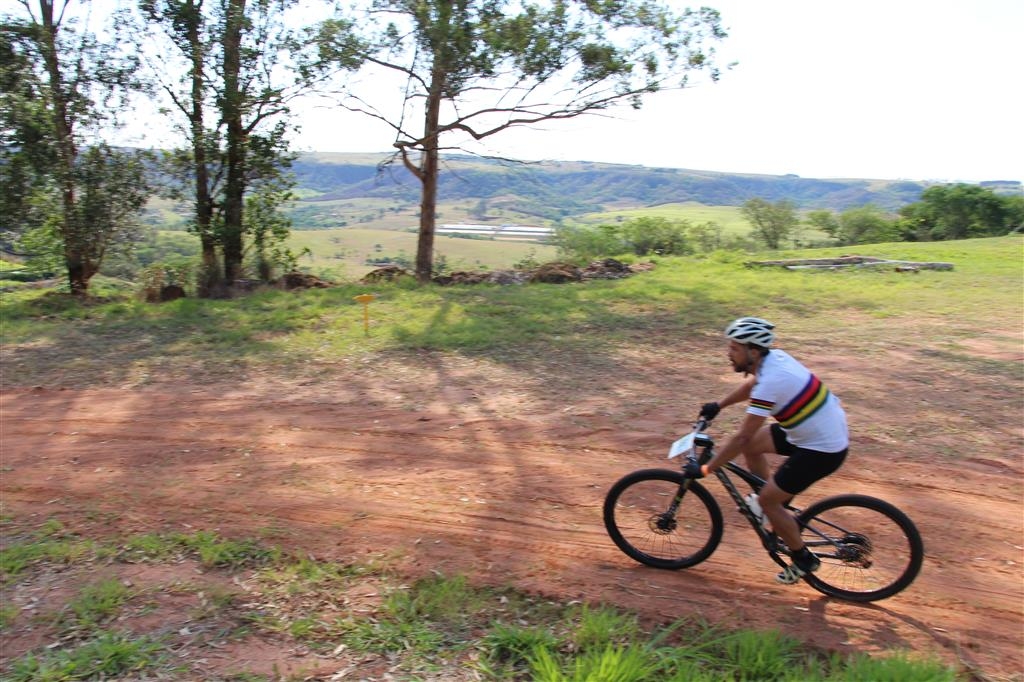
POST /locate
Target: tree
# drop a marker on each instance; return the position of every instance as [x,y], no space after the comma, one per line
[772,222]
[270,227]
[24,157]
[224,79]
[479,67]
[825,221]
[60,86]
[185,24]
[708,235]
[865,225]
[640,236]
[656,235]
[958,212]
[861,225]
[587,243]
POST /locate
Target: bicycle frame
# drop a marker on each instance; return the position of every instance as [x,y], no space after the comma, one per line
[707,450]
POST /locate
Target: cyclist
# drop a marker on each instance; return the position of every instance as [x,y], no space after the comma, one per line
[810,431]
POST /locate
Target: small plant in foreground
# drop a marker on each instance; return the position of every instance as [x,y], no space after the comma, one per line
[108,656]
[98,603]
[597,627]
[897,668]
[633,663]
[211,549]
[47,544]
[511,642]
[438,598]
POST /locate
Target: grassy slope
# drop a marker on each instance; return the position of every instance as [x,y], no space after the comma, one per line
[681,296]
[728,217]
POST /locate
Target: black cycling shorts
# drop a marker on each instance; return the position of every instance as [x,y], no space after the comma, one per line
[802,467]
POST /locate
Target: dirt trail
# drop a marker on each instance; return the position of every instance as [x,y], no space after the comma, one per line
[466,475]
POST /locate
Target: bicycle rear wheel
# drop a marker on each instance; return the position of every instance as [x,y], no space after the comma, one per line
[654,520]
[869,549]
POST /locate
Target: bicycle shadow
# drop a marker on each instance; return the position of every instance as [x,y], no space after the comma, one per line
[883,631]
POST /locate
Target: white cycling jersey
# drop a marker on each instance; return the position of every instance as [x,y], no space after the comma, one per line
[806,410]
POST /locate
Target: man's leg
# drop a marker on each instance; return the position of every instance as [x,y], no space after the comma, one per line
[755,452]
[772,499]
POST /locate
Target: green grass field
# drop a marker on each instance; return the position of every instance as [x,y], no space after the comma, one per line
[730,218]
[355,230]
[982,292]
[342,253]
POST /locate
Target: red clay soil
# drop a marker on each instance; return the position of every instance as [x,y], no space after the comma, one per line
[452,466]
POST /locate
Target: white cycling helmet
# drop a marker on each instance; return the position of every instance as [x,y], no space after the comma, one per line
[751,330]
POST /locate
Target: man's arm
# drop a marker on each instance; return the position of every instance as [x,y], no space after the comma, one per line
[737,444]
[740,394]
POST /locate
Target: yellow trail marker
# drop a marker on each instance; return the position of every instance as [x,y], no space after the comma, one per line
[365,300]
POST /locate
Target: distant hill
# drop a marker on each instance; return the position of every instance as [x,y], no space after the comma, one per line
[559,190]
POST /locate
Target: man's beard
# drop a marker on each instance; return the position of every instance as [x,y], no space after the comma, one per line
[744,367]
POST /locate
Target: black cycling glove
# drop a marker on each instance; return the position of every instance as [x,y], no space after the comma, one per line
[710,410]
[693,469]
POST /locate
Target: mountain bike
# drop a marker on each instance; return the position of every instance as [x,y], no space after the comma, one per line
[869,549]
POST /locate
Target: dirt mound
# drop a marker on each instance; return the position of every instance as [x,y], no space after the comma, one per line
[302,280]
[388,273]
[548,273]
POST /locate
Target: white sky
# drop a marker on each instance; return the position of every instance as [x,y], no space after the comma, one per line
[915,89]
[888,89]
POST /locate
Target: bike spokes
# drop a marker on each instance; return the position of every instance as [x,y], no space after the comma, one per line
[868,549]
[659,518]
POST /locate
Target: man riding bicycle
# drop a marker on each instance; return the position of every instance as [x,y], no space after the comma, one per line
[810,431]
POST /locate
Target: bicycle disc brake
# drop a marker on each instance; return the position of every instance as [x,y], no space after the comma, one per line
[662,524]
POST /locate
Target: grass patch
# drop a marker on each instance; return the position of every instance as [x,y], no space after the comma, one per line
[8,612]
[110,655]
[50,543]
[439,627]
[97,603]
[210,549]
[302,332]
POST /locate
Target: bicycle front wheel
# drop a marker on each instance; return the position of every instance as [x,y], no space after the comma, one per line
[655,519]
[869,549]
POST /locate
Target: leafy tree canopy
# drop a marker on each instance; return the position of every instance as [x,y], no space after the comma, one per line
[478,67]
[961,211]
[772,222]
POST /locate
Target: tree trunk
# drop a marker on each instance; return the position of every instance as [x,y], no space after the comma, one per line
[428,175]
[67,153]
[234,187]
[209,279]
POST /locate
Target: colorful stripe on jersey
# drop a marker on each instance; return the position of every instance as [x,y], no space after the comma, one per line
[808,401]
[766,405]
